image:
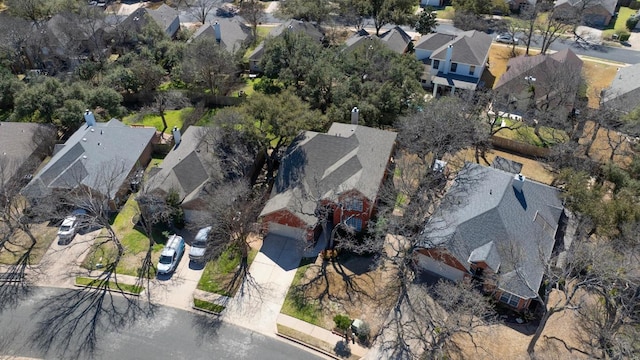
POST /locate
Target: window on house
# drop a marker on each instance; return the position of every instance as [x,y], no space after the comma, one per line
[510,299]
[454,67]
[354,205]
[436,64]
[354,223]
[472,69]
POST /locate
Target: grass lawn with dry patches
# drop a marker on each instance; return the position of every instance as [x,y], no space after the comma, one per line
[347,286]
[598,77]
[134,241]
[605,143]
[219,276]
[21,243]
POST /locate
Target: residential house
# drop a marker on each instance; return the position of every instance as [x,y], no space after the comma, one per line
[453,61]
[496,227]
[624,93]
[23,146]
[310,29]
[100,157]
[164,16]
[189,168]
[521,6]
[341,170]
[551,81]
[591,12]
[231,34]
[396,39]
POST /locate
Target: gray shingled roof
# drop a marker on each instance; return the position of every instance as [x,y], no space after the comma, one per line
[484,207]
[544,68]
[470,47]
[188,167]
[322,166]
[396,39]
[164,16]
[233,33]
[609,5]
[107,150]
[311,29]
[18,142]
[624,92]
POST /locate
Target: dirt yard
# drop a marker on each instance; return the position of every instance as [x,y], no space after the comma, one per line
[531,168]
[21,243]
[607,142]
[347,286]
[559,340]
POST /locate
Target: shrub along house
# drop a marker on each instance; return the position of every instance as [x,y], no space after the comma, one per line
[497,227]
[341,170]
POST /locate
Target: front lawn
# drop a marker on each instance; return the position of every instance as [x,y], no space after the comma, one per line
[446,13]
[134,241]
[620,22]
[20,244]
[295,304]
[89,282]
[205,305]
[219,275]
[173,117]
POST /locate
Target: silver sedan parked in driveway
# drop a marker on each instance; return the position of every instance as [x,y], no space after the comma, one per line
[506,39]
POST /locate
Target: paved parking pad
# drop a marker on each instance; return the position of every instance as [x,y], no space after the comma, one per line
[256,306]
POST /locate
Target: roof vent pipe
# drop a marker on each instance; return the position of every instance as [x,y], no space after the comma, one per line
[518,181]
[355,116]
[176,135]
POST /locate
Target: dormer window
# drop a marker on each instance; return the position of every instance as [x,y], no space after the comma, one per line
[454,67]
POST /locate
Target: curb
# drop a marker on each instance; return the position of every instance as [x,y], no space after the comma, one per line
[206,311]
[333,356]
[114,290]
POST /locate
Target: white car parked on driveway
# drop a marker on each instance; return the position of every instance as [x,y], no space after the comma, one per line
[199,245]
[171,255]
[70,226]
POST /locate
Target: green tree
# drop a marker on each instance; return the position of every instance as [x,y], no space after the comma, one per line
[106,98]
[10,86]
[343,322]
[427,22]
[39,101]
[290,57]
[383,12]
[317,11]
[476,7]
[69,115]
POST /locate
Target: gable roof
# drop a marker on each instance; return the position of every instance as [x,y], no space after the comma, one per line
[322,166]
[483,217]
[396,39]
[92,153]
[624,92]
[434,41]
[232,33]
[188,167]
[164,16]
[18,142]
[312,30]
[608,5]
[543,68]
[470,47]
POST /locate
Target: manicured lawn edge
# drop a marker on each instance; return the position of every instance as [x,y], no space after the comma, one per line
[310,342]
[82,281]
[213,277]
[300,308]
[207,307]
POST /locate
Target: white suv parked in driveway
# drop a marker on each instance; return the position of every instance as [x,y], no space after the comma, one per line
[70,226]
[171,255]
[199,245]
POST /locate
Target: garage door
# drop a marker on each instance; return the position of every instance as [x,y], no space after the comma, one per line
[286,231]
[439,268]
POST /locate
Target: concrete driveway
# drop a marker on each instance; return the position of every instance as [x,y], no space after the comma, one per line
[257,304]
[61,263]
[177,289]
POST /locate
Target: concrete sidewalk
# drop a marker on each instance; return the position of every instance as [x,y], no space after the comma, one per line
[319,333]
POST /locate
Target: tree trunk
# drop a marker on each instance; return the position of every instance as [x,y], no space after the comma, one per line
[594,135]
[164,121]
[536,336]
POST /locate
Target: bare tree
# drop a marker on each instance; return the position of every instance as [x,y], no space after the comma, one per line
[209,66]
[200,9]
[163,101]
[253,12]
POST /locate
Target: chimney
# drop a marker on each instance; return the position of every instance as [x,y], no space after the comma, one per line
[89,118]
[355,115]
[447,62]
[176,135]
[216,28]
[518,181]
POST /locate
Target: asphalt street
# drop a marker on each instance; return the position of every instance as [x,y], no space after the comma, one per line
[168,334]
